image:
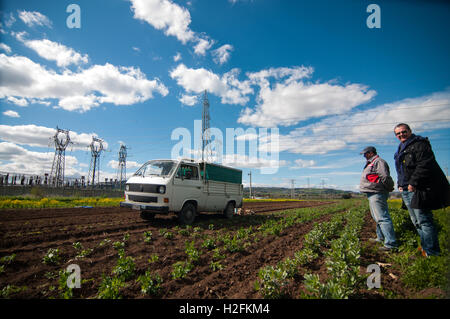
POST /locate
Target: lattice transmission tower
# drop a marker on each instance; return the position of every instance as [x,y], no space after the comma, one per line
[96,147]
[62,140]
[122,167]
[206,137]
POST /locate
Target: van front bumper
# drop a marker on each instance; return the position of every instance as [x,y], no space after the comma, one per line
[144,207]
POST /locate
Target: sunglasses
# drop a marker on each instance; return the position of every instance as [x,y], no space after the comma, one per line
[400,133]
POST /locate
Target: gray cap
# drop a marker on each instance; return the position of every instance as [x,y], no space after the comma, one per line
[369,149]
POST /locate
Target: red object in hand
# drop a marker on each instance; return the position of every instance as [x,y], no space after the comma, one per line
[373,178]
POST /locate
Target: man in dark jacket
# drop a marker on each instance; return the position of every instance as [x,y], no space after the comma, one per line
[423,185]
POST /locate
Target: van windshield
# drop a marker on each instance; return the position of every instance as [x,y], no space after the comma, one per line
[156,168]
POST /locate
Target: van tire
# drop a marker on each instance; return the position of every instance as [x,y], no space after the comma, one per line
[147,215]
[187,214]
[229,210]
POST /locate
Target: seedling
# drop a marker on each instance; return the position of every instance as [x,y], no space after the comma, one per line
[150,284]
[147,237]
[52,257]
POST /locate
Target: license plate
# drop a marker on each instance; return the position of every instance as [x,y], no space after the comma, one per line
[137,207]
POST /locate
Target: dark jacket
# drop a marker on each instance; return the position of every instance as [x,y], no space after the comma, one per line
[417,166]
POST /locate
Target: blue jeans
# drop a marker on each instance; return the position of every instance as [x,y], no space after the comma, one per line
[380,214]
[424,223]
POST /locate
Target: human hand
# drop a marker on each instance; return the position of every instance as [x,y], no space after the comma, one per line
[400,189]
[411,188]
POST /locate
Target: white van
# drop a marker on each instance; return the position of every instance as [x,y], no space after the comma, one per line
[185,187]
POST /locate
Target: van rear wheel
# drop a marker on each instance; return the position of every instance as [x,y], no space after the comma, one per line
[187,214]
[229,210]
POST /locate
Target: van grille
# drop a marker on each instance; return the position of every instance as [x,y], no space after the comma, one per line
[143,199]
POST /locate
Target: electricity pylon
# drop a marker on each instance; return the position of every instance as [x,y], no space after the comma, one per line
[62,140]
[96,147]
[122,168]
[206,138]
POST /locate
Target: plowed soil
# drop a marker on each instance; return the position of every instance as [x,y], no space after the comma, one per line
[30,233]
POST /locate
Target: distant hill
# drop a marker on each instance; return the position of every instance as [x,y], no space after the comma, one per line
[282,192]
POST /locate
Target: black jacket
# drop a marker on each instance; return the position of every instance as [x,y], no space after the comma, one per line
[420,169]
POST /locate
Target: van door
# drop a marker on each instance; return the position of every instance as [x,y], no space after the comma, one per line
[188,186]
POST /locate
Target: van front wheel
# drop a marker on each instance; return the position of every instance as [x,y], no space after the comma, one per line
[229,210]
[187,214]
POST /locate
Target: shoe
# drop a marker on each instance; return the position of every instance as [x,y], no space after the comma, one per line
[423,252]
[375,240]
[387,249]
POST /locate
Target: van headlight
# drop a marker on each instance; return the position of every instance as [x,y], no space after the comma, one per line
[161,189]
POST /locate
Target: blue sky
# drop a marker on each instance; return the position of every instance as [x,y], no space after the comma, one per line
[135,70]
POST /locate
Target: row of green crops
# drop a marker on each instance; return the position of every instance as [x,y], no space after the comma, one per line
[201,245]
[273,281]
[28,202]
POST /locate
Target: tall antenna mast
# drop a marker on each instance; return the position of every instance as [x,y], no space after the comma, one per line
[206,138]
[62,140]
[122,168]
[94,169]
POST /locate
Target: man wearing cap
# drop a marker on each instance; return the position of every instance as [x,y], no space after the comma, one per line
[376,183]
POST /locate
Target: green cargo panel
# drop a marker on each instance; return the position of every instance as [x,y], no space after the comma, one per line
[222,174]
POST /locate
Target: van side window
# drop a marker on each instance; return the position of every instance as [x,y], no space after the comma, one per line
[187,172]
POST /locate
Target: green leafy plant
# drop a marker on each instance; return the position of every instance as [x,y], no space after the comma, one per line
[51,257]
[181,269]
[272,282]
[427,272]
[119,245]
[209,244]
[150,283]
[110,287]
[64,290]
[153,258]
[125,267]
[192,252]
[216,265]
[147,237]
[166,234]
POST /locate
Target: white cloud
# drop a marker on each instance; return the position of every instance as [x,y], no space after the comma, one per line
[202,46]
[76,91]
[40,136]
[164,15]
[130,164]
[11,113]
[177,57]
[375,125]
[222,54]
[5,48]
[173,19]
[8,19]
[16,101]
[245,161]
[228,87]
[290,100]
[21,160]
[53,51]
[190,100]
[300,163]
[34,18]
